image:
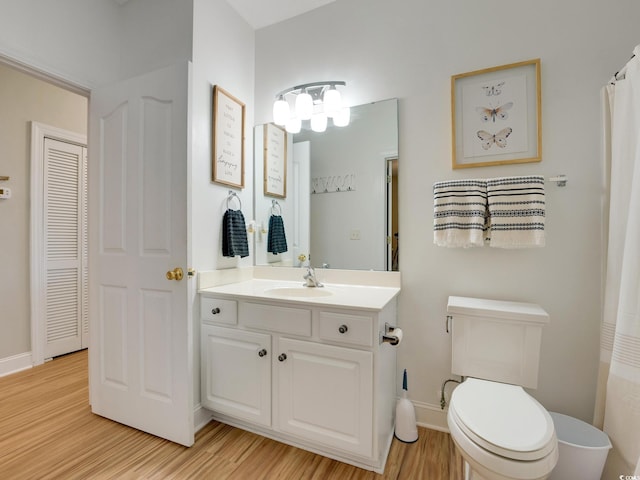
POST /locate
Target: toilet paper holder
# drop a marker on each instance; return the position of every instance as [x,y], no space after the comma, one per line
[392,335]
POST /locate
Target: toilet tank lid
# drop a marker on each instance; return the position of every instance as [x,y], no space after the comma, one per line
[483,307]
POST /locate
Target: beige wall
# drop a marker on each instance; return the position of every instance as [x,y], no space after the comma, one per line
[23,99]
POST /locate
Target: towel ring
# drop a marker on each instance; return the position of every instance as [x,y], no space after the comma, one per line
[233,194]
[276,209]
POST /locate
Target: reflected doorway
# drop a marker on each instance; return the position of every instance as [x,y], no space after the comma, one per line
[392,215]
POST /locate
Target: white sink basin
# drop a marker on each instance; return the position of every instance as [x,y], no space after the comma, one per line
[298,292]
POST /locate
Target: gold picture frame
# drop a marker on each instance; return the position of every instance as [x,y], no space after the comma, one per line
[227,157]
[275,161]
[496,116]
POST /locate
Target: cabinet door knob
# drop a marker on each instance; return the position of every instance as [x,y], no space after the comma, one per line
[262,353]
[343,329]
[282,357]
[215,311]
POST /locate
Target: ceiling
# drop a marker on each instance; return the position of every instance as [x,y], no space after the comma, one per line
[262,13]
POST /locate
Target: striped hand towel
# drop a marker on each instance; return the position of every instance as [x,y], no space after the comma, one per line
[516,211]
[459,213]
[276,240]
[234,234]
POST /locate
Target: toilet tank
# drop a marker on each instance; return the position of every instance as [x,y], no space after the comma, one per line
[496,340]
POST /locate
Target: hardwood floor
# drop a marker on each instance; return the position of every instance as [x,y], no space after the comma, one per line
[47,431]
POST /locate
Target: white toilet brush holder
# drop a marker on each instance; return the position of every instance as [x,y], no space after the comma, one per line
[406,428]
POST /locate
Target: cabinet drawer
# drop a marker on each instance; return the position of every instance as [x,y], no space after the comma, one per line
[293,321]
[345,328]
[215,310]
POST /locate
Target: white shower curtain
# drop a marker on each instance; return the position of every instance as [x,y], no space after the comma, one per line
[618,402]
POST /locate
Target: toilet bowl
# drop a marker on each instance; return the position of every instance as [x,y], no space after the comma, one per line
[501,431]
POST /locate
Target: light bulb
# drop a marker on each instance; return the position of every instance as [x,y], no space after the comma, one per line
[304,106]
[293,125]
[332,102]
[319,122]
[342,118]
[280,111]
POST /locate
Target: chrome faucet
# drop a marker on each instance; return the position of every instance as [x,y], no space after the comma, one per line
[310,278]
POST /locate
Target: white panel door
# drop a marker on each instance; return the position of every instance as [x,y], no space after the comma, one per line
[325,394]
[141,335]
[236,373]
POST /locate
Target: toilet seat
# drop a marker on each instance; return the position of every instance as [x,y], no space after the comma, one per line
[503,419]
[501,431]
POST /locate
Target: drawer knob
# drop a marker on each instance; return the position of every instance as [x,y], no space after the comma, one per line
[282,357]
[215,311]
[343,329]
[262,352]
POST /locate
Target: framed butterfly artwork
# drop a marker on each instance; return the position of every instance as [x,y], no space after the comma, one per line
[496,117]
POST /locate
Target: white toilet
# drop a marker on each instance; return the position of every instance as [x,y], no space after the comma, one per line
[499,429]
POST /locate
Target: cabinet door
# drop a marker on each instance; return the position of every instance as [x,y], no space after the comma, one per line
[236,373]
[326,394]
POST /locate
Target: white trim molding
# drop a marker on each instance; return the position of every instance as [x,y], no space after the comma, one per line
[15,363]
[201,416]
[431,416]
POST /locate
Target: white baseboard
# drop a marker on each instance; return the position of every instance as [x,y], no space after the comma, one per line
[431,416]
[16,363]
[201,416]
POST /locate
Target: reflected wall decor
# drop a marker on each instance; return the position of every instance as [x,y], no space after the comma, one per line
[228,139]
[496,116]
[275,161]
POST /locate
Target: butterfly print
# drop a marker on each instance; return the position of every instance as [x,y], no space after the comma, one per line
[491,90]
[500,138]
[488,113]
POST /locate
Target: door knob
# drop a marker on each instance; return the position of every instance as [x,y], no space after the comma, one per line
[175,274]
[282,357]
[262,352]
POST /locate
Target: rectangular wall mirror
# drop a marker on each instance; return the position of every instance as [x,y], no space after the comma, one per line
[340,205]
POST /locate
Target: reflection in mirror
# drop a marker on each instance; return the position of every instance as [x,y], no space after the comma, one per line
[340,207]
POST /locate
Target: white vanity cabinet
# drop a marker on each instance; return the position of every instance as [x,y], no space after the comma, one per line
[236,373]
[313,376]
[326,394]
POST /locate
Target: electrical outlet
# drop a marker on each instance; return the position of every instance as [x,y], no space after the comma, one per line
[355,235]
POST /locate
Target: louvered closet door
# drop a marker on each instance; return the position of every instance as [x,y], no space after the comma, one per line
[65,251]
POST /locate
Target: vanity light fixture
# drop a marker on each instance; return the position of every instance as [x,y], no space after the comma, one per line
[316,102]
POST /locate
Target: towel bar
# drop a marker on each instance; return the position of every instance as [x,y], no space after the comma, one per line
[276,209]
[561,180]
[231,195]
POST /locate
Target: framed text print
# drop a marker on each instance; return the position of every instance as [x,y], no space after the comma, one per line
[496,115]
[228,139]
[275,161]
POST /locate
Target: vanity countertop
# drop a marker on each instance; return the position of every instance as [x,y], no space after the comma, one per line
[362,297]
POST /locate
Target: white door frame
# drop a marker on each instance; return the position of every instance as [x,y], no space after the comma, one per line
[37,254]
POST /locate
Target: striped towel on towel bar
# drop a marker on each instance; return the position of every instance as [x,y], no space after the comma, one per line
[459,208]
[234,234]
[516,211]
